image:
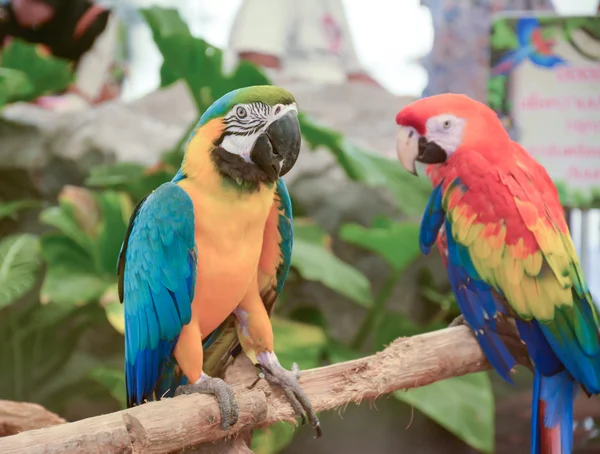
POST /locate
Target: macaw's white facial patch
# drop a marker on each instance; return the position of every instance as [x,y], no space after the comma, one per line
[240,145]
[446,131]
[245,122]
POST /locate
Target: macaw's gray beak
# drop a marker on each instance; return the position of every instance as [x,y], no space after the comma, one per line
[412,148]
[277,149]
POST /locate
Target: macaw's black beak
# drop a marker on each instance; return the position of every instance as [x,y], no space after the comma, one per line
[430,152]
[412,148]
[277,149]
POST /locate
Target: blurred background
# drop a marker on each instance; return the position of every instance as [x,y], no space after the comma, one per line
[96,99]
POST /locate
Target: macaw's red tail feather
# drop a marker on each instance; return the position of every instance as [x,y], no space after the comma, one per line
[549,438]
[552,414]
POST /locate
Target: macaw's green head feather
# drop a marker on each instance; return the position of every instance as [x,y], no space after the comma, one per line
[259,134]
[264,94]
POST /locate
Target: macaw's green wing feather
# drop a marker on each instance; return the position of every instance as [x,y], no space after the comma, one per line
[278,243]
[507,233]
[157,274]
[285,229]
[222,344]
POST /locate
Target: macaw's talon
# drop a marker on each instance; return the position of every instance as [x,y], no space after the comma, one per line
[275,374]
[223,393]
[507,330]
[458,321]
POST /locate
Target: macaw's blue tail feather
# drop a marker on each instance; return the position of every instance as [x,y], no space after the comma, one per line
[140,379]
[552,413]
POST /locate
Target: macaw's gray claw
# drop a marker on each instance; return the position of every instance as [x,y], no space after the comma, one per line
[458,321]
[288,380]
[222,391]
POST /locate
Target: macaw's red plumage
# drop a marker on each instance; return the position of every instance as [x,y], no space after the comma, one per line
[498,223]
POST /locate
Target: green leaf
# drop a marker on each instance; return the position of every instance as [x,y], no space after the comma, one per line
[72,373]
[37,348]
[309,231]
[313,259]
[411,193]
[115,314]
[131,178]
[115,311]
[115,208]
[339,353]
[299,343]
[113,380]
[14,84]
[60,251]
[463,405]
[63,219]
[311,315]
[19,265]
[397,242]
[67,286]
[194,60]
[315,263]
[45,73]
[9,209]
[393,325]
[272,439]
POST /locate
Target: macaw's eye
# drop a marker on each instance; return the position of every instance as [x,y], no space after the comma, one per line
[277,110]
[241,112]
[447,124]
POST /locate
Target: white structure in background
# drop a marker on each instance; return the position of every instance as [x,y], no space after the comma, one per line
[386,51]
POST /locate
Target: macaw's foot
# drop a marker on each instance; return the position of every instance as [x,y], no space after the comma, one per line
[275,374]
[458,321]
[507,330]
[221,390]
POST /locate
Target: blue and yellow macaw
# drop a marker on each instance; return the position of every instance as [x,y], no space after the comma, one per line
[207,254]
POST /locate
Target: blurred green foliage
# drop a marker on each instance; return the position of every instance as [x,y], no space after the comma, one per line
[78,290]
[28,72]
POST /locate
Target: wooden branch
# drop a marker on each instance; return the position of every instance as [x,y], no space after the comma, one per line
[173,424]
[16,417]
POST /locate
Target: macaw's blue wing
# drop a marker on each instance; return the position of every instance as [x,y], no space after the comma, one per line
[285,228]
[222,344]
[157,274]
[479,303]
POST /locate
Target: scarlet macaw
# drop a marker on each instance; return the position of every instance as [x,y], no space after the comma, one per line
[497,220]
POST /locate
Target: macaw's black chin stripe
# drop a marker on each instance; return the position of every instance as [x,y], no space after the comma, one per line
[241,172]
[430,152]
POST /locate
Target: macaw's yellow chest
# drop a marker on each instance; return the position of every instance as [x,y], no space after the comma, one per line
[229,226]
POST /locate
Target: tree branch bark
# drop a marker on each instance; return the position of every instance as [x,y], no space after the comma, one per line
[16,417]
[173,424]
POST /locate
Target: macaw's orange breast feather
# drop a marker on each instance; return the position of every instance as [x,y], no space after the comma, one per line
[229,231]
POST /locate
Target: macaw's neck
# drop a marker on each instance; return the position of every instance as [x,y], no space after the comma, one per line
[436,173]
